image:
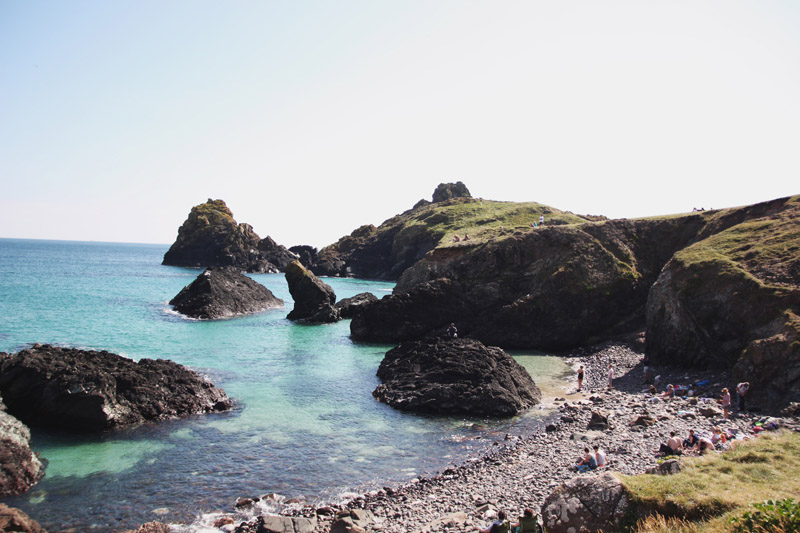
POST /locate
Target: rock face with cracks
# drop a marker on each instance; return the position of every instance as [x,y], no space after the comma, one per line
[595,503]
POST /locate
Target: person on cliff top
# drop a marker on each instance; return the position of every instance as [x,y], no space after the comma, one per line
[541,220]
[726,401]
[741,392]
[580,378]
[501,525]
[452,331]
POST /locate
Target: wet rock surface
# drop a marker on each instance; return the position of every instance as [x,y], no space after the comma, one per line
[92,391]
[221,292]
[454,376]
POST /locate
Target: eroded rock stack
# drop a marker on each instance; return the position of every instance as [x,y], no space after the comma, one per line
[314,300]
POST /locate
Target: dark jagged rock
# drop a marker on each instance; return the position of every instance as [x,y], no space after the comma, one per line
[445,191]
[221,292]
[12,519]
[307,255]
[313,299]
[275,253]
[20,467]
[211,237]
[412,314]
[348,307]
[454,376]
[596,503]
[93,391]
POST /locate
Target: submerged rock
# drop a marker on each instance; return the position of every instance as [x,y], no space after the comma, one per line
[313,299]
[221,292]
[20,467]
[93,391]
[454,376]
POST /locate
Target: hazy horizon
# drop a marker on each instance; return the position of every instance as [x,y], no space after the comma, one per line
[311,118]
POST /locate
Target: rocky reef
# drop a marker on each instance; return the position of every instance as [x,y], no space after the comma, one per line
[211,237]
[93,391]
[314,300]
[454,376]
[221,292]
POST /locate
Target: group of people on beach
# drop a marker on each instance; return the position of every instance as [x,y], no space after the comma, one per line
[581,376]
[527,523]
[592,460]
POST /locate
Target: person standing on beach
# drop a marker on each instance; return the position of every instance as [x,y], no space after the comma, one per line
[452,331]
[610,377]
[580,378]
[741,392]
[726,401]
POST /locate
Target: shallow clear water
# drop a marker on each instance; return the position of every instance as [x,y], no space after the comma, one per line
[305,423]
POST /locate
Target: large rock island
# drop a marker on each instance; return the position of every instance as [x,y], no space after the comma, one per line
[211,237]
[93,391]
[221,292]
[454,376]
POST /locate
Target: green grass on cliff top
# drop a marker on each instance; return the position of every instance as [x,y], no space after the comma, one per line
[763,244]
[482,219]
[710,490]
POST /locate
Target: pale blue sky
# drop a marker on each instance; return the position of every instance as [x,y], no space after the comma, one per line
[310,118]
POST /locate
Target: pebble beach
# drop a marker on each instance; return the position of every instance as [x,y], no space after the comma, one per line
[520,472]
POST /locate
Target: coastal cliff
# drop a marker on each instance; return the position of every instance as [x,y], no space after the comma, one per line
[724,290]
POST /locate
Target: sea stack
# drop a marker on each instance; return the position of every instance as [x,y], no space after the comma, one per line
[222,292]
[314,300]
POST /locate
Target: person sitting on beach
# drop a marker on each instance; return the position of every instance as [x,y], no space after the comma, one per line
[670,392]
[501,525]
[600,456]
[704,445]
[691,441]
[589,462]
[672,446]
[452,331]
[718,438]
[528,523]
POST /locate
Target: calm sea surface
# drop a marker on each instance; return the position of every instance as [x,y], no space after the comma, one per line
[305,423]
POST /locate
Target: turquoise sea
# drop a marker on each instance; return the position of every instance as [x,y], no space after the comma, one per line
[305,424]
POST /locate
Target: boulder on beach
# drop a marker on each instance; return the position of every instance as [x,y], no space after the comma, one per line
[454,376]
[92,391]
[12,519]
[221,292]
[590,503]
[20,467]
[313,299]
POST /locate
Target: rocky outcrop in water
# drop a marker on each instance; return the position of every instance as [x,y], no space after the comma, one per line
[314,300]
[12,519]
[348,307]
[93,391]
[454,376]
[221,292]
[596,503]
[20,467]
[211,237]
